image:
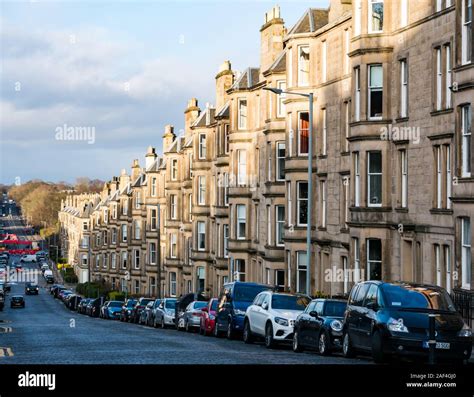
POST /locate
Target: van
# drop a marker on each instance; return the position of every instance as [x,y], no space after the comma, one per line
[234,300]
[28,258]
[48,276]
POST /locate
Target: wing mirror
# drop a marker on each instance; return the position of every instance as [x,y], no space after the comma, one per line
[314,314]
[264,305]
[372,306]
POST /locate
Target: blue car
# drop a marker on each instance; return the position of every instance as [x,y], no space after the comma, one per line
[234,300]
[111,310]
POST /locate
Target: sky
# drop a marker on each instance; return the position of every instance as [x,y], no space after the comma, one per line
[112,74]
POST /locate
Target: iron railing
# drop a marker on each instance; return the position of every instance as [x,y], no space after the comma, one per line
[464,301]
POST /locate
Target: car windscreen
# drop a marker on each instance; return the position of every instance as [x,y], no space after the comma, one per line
[335,309]
[115,304]
[200,305]
[289,302]
[145,302]
[417,297]
[131,303]
[170,304]
[214,304]
[247,293]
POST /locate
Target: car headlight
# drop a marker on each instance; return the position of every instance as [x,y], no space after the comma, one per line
[465,332]
[281,321]
[239,312]
[129,311]
[396,325]
[336,325]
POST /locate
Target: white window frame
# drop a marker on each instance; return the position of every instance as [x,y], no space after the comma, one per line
[136,259]
[303,82]
[371,4]
[138,229]
[301,269]
[447,149]
[124,259]
[124,233]
[371,175]
[173,245]
[279,225]
[281,84]
[324,60]
[280,146]
[241,167]
[404,178]
[370,261]
[113,260]
[152,253]
[201,235]
[449,76]
[299,200]
[225,231]
[403,88]
[300,153]
[466,138]
[356,251]
[466,253]
[173,206]
[324,142]
[201,190]
[466,34]
[241,217]
[202,146]
[242,114]
[447,266]
[357,94]
[439,79]
[347,46]
[323,193]
[174,169]
[153,187]
[439,177]
[173,283]
[290,204]
[357,17]
[403,13]
[374,88]
[153,219]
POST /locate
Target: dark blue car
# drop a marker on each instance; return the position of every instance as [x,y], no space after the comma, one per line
[234,300]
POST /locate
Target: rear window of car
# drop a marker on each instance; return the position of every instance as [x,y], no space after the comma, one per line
[289,302]
[199,305]
[335,309]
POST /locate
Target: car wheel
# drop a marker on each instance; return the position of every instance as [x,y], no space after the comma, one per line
[216,332]
[347,349]
[230,331]
[296,343]
[163,325]
[323,344]
[247,335]
[269,342]
[377,348]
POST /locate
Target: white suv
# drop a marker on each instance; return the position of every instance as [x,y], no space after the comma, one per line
[272,316]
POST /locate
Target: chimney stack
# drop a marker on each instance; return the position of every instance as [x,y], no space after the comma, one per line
[191,113]
[150,157]
[135,170]
[271,38]
[224,80]
[168,137]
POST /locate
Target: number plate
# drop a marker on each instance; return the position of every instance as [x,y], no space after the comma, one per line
[439,345]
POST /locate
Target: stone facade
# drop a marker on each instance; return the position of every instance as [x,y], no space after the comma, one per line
[393,192]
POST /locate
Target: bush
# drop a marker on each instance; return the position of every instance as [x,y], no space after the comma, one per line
[116,296]
[92,290]
[70,279]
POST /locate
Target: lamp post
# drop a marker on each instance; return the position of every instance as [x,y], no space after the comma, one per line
[310,179]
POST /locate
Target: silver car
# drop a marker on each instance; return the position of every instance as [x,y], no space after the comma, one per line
[192,315]
[164,314]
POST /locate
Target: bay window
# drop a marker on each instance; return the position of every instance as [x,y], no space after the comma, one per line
[375,94]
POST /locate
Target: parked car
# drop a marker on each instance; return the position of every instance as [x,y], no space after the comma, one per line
[272,316]
[126,310]
[320,326]
[144,313]
[44,267]
[137,309]
[6,286]
[150,314]
[28,258]
[64,293]
[18,266]
[165,313]
[56,290]
[81,308]
[31,289]
[93,307]
[191,318]
[392,319]
[72,301]
[182,305]
[234,300]
[17,301]
[208,317]
[2,300]
[111,310]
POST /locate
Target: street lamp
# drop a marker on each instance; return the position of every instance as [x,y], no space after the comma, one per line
[279,91]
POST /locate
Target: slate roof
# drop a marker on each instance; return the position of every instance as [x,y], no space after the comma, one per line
[312,20]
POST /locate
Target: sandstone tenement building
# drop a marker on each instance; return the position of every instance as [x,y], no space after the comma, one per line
[393,82]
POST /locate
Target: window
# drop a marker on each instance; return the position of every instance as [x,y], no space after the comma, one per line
[174,169]
[439,79]
[201,190]
[242,114]
[466,35]
[241,221]
[114,235]
[200,279]
[85,242]
[324,133]
[124,207]
[439,5]
[345,272]
[466,133]
[449,76]
[137,287]
[257,223]
[356,250]
[375,97]
[104,261]
[226,189]
[447,266]
[280,224]
[448,176]
[226,240]
[281,98]
[280,161]
[173,207]
[280,278]
[202,146]
[345,200]
[226,138]
[437,262]
[374,259]
[466,264]
[137,229]
[152,253]
[439,176]
[357,94]
[302,265]
[375,16]
[153,186]
[302,203]
[114,211]
[190,206]
[403,13]
[106,215]
[347,120]
[173,245]
[153,223]
[323,204]
[374,176]
[97,261]
[324,60]
[113,260]
[240,269]
[303,65]
[201,229]
[290,205]
[136,260]
[303,133]
[403,88]
[347,47]
[137,200]
[124,233]
[403,178]
[172,276]
[241,167]
[124,260]
[84,226]
[357,17]
[290,134]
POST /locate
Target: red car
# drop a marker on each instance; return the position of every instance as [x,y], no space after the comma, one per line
[208,317]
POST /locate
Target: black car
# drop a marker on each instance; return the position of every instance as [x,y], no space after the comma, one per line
[387,319]
[57,290]
[93,307]
[127,308]
[320,326]
[81,307]
[31,289]
[138,308]
[73,301]
[17,301]
[51,289]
